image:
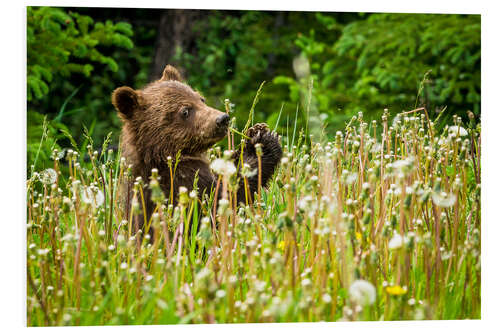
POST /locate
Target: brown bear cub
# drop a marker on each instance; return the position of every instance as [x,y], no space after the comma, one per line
[168,116]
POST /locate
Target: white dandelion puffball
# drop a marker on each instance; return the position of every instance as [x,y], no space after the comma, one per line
[458,130]
[93,196]
[248,172]
[443,199]
[362,292]
[220,293]
[403,167]
[48,176]
[397,241]
[351,178]
[223,167]
[304,202]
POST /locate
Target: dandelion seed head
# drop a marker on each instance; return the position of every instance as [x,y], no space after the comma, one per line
[223,167]
[48,176]
[93,196]
[457,131]
[396,242]
[304,202]
[444,199]
[350,178]
[220,293]
[326,298]
[362,292]
[43,252]
[306,283]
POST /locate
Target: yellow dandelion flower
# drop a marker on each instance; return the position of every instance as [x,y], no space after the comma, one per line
[395,290]
[358,236]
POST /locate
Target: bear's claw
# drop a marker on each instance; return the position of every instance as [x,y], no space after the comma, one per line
[260,133]
[256,130]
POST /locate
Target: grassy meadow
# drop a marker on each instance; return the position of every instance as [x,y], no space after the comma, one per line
[381,223]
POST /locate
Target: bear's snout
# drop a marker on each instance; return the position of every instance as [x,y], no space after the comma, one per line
[222,121]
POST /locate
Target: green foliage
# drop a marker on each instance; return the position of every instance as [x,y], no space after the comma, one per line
[347,62]
[42,140]
[62,43]
[236,51]
[74,62]
[380,62]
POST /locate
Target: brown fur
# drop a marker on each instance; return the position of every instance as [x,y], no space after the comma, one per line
[155,126]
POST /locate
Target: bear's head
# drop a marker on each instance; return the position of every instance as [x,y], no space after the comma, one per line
[166,116]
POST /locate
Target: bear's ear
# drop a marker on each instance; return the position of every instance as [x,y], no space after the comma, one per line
[125,100]
[171,73]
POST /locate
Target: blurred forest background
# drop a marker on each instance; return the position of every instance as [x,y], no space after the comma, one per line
[331,64]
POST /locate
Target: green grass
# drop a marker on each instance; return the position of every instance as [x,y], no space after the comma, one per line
[398,209]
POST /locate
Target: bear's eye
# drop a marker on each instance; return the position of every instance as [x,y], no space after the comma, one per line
[202,100]
[185,113]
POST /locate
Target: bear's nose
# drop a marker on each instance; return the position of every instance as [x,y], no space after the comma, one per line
[222,121]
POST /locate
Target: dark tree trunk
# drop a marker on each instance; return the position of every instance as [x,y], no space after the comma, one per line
[174,31]
[279,21]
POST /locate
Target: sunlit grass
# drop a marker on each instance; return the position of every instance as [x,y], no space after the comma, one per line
[370,226]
